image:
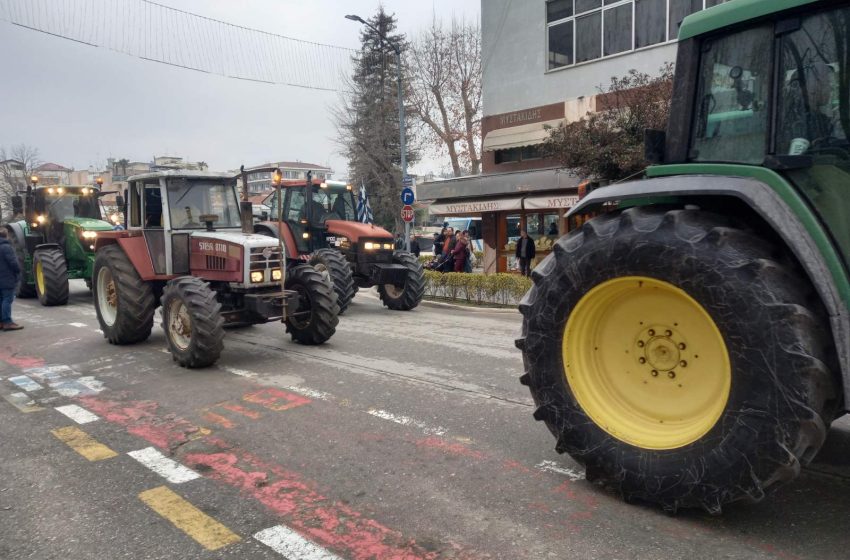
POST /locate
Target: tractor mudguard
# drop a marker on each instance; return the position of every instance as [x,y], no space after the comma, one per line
[765,202]
[272,230]
[17,230]
[49,246]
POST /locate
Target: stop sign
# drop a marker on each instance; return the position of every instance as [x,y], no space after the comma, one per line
[407,213]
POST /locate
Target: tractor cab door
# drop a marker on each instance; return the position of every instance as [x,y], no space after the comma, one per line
[146,214]
[295,215]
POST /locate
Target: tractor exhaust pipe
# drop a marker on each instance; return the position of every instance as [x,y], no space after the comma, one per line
[246,209]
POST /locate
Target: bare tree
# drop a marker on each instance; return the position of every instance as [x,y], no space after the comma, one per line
[444,68]
[17,165]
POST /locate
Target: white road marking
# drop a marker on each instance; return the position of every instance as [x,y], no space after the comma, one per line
[293,546]
[405,421]
[78,325]
[78,414]
[25,383]
[170,470]
[241,372]
[312,393]
[552,466]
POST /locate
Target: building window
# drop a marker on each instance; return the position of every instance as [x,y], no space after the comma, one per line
[516,155]
[583,30]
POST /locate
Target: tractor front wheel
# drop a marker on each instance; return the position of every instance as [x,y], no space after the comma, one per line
[124,303]
[317,315]
[192,321]
[50,272]
[336,270]
[408,296]
[678,357]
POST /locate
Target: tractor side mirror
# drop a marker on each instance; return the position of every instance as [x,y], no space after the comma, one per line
[208,220]
[18,204]
[653,145]
[264,216]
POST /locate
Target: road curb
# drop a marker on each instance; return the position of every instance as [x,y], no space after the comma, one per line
[372,294]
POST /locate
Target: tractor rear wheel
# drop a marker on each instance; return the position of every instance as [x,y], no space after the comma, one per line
[50,272]
[24,290]
[407,297]
[192,321]
[124,303]
[336,270]
[682,360]
[316,318]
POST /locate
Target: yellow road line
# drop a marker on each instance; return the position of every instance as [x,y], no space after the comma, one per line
[84,444]
[211,534]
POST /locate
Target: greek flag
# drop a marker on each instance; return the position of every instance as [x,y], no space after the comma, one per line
[364,211]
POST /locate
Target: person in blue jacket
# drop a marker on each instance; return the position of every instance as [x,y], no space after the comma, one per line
[10,274]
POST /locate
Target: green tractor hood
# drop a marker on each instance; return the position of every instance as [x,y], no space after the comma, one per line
[89,224]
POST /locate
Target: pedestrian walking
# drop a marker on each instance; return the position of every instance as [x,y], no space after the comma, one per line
[525,252]
[439,240]
[414,246]
[459,252]
[470,253]
[10,275]
[399,242]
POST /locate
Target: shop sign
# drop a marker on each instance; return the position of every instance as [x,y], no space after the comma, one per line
[551,202]
[461,208]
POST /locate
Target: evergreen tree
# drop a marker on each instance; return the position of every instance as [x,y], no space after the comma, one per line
[367,120]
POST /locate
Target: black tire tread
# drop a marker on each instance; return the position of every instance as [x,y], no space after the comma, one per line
[325,311]
[809,401]
[136,302]
[340,273]
[207,340]
[55,271]
[414,284]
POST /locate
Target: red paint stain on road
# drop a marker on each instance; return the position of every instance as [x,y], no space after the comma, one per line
[444,446]
[214,418]
[247,412]
[275,399]
[23,362]
[317,517]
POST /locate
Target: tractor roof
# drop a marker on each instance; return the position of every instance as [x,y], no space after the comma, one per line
[182,174]
[44,187]
[734,12]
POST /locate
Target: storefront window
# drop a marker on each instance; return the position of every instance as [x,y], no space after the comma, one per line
[550,224]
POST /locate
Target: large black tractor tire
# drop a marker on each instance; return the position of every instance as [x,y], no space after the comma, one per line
[335,269]
[125,304]
[50,271]
[680,270]
[24,290]
[192,321]
[315,320]
[410,295]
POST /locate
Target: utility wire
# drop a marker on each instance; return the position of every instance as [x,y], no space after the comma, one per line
[151,31]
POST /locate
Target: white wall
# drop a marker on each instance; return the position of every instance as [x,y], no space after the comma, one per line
[515,52]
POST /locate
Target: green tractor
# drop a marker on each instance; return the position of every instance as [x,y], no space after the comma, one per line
[689,344]
[55,240]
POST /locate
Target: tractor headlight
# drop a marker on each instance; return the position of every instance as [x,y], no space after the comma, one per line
[257,276]
[89,235]
[388,245]
[369,246]
[40,219]
[276,274]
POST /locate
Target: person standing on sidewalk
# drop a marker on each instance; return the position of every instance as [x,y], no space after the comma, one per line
[10,274]
[525,253]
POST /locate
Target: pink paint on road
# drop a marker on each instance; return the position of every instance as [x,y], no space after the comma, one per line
[23,362]
[445,446]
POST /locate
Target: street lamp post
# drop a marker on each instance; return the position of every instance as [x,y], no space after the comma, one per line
[401,117]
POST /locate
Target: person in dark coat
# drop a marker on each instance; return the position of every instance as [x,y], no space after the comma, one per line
[439,239]
[10,275]
[414,246]
[525,252]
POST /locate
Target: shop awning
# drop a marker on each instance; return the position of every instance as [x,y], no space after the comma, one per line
[551,202]
[468,207]
[519,136]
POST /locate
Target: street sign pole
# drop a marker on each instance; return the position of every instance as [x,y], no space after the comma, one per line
[407,198]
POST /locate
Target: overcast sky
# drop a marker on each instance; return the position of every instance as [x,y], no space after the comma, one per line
[79,105]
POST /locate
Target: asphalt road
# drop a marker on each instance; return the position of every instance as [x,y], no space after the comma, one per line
[407,436]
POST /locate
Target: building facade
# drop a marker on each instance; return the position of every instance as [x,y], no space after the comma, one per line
[547,62]
[260,182]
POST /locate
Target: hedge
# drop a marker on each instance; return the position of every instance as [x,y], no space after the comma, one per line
[501,288]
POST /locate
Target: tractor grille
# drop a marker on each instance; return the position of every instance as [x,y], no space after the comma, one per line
[261,261]
[216,263]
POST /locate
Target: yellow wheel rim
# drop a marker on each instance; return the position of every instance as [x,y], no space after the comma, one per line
[647,363]
[39,277]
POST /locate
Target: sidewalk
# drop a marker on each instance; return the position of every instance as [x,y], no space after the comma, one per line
[372,293]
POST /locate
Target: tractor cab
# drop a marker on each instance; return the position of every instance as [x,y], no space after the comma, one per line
[52,210]
[308,209]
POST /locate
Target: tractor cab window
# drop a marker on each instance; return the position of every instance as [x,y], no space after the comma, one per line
[191,199]
[153,206]
[134,201]
[813,115]
[732,106]
[333,202]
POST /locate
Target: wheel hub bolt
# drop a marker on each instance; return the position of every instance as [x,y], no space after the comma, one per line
[668,333]
[683,363]
[671,374]
[641,344]
[651,332]
[654,373]
[642,360]
[682,346]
